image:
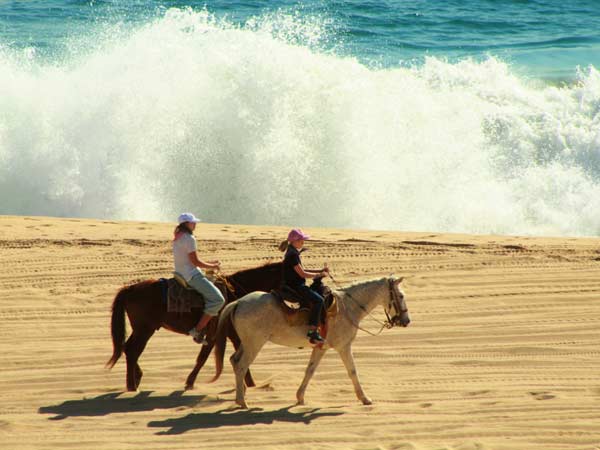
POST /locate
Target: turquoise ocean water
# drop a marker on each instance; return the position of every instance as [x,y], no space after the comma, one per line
[472,116]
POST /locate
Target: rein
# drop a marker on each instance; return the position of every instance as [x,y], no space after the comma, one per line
[228,285]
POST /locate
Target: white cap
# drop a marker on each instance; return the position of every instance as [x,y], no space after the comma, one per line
[187,217]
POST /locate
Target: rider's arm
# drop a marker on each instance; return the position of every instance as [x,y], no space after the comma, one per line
[308,273]
[199,263]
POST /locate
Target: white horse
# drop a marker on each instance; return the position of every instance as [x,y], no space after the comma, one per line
[258,318]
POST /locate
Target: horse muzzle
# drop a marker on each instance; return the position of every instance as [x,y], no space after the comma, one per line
[402,321]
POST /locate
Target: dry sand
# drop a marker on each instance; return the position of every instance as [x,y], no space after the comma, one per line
[502,353]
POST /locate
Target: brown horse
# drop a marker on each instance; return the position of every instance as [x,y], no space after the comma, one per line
[147,311]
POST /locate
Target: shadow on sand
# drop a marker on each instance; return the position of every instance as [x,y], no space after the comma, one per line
[111,403]
[236,417]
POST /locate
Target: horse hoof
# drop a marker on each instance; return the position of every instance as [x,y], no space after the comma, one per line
[367,401]
[188,387]
[242,404]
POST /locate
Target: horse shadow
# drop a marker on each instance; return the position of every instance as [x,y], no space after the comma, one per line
[235,417]
[111,403]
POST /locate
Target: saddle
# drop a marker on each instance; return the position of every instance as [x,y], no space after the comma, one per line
[297,309]
[180,296]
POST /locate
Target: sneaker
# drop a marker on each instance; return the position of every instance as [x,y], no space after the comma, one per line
[199,336]
[314,337]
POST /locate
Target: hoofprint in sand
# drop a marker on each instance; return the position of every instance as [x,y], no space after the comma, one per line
[502,352]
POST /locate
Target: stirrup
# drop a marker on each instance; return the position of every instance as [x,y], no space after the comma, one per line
[314,337]
[199,336]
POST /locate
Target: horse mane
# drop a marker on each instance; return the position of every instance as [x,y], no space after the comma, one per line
[359,286]
[251,270]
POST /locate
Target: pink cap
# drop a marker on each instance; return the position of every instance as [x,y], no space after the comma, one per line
[297,234]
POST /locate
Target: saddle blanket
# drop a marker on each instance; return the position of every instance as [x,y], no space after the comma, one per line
[180,299]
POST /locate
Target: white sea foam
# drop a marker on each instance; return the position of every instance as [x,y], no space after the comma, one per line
[254,125]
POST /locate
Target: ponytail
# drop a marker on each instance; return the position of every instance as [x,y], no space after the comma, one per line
[283,246]
[180,229]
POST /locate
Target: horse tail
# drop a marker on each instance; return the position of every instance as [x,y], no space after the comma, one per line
[221,337]
[117,326]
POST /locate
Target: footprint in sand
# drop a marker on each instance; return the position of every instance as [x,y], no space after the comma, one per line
[470,446]
[542,395]
[403,446]
[595,391]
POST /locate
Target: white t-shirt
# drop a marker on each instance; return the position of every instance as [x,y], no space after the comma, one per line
[182,247]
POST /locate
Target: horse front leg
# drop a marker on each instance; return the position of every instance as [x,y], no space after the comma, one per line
[200,361]
[348,360]
[315,358]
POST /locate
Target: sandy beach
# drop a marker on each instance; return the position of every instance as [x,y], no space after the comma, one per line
[502,352]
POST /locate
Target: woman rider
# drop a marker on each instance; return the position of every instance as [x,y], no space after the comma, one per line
[188,265]
[295,275]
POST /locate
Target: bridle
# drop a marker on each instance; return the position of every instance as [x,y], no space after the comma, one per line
[395,301]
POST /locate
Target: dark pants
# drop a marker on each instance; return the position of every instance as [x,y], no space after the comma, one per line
[316,303]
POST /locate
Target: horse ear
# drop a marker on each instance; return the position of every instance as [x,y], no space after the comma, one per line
[399,280]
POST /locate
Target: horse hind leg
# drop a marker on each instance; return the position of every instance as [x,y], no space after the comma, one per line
[241,360]
[133,349]
[203,356]
[235,340]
